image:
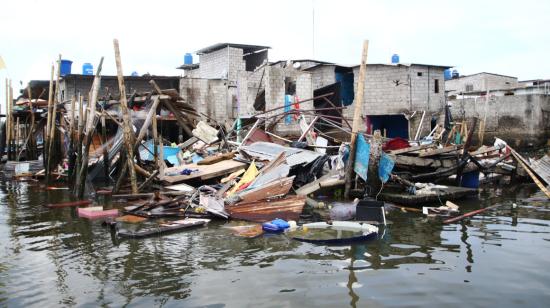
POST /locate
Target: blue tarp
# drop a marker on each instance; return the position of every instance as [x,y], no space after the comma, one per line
[288,103]
[385,167]
[362,154]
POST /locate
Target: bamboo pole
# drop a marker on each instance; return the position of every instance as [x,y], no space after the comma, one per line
[126,119]
[356,126]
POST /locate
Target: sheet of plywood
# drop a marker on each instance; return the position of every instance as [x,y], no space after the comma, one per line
[204,172]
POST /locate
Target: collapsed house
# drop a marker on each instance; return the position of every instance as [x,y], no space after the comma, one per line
[517,111]
[214,173]
[236,80]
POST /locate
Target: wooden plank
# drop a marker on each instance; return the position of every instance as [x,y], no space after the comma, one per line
[126,119]
[527,168]
[411,161]
[217,158]
[484,150]
[205,171]
[357,121]
[328,180]
[275,188]
[288,208]
[440,151]
[412,149]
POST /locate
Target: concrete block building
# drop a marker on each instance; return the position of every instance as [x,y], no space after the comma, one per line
[396,95]
[516,111]
[236,81]
[471,85]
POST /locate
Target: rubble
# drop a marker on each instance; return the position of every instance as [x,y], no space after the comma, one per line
[165,159]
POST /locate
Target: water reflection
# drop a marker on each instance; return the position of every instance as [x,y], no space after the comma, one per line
[54,257]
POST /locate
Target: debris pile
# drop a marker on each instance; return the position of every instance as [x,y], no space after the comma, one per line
[157,157]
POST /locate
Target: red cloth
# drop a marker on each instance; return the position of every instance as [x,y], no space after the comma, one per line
[395,144]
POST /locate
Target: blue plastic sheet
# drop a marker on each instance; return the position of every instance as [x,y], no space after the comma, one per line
[288,103]
[362,154]
[385,167]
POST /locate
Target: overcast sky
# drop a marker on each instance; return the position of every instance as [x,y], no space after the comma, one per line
[504,37]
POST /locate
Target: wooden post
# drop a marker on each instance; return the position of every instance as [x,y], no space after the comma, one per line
[150,115]
[17,137]
[78,143]
[7,122]
[12,131]
[8,119]
[156,143]
[173,110]
[72,136]
[357,119]
[52,122]
[106,166]
[46,132]
[126,119]
[90,129]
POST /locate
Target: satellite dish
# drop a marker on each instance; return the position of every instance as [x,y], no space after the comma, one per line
[296,65]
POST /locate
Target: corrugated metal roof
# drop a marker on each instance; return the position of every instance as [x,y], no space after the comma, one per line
[542,168]
[269,151]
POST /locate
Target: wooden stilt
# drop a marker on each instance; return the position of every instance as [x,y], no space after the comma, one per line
[126,119]
[52,130]
[359,98]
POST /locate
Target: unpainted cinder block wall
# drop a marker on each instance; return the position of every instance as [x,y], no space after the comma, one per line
[520,120]
[275,95]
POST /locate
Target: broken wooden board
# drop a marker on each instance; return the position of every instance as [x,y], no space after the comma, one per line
[216,158]
[444,150]
[484,150]
[449,193]
[410,161]
[275,188]
[412,149]
[327,180]
[204,172]
[132,219]
[288,208]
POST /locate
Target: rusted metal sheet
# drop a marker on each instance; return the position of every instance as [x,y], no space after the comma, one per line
[288,208]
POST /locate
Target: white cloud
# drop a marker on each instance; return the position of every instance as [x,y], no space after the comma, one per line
[498,36]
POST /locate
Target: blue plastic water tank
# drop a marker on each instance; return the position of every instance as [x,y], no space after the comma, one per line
[395,58]
[188,59]
[455,74]
[448,74]
[87,69]
[65,68]
[135,74]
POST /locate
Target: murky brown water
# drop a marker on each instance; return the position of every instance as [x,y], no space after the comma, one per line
[52,258]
